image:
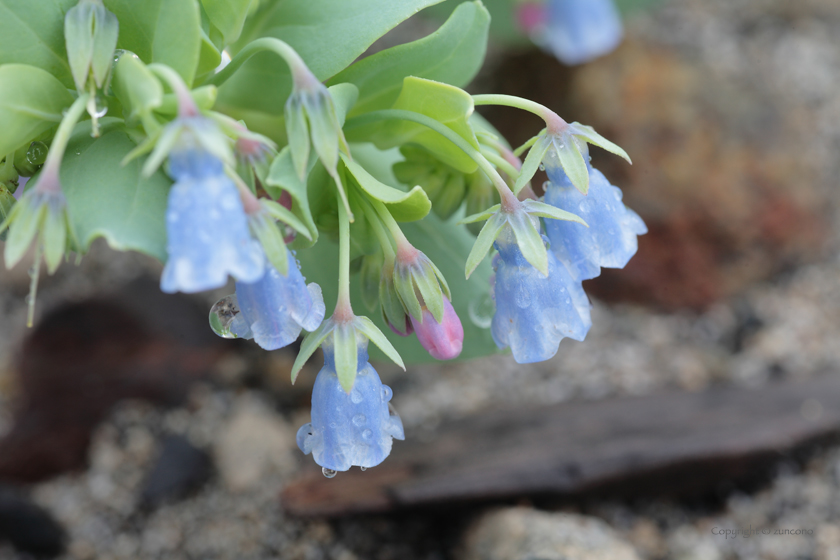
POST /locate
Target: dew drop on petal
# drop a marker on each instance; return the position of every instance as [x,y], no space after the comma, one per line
[329,473]
[359,420]
[367,434]
[356,396]
[363,469]
[222,314]
[542,167]
[387,393]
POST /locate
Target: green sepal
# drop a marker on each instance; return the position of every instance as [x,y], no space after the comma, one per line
[484,242]
[23,223]
[54,236]
[404,207]
[404,284]
[297,133]
[531,163]
[78,25]
[282,176]
[376,336]
[310,343]
[588,133]
[286,216]
[449,199]
[481,216]
[529,240]
[543,210]
[346,348]
[393,310]
[574,165]
[268,234]
[106,32]
[432,295]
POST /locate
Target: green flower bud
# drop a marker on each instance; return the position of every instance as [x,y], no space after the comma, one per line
[90,33]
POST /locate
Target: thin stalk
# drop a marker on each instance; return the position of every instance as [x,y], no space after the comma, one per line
[343,308]
[404,247]
[300,72]
[509,201]
[500,162]
[552,120]
[186,104]
[59,144]
[379,230]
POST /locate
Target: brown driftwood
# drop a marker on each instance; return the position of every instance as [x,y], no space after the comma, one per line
[677,443]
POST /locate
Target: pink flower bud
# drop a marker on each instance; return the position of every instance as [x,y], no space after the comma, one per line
[442,340]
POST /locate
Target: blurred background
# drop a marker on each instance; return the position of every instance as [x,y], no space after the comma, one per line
[705,399]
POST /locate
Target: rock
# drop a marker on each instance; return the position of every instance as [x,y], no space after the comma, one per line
[180,470]
[254,442]
[80,360]
[27,526]
[525,534]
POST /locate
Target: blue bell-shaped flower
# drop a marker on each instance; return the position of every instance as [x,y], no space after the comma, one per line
[276,307]
[609,241]
[535,312]
[350,429]
[578,31]
[207,230]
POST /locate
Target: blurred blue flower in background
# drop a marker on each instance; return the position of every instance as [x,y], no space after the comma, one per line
[207,230]
[535,312]
[575,31]
[611,238]
[276,308]
[350,429]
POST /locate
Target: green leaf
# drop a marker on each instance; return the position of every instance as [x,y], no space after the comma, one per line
[404,206]
[31,102]
[448,246]
[228,16]
[167,31]
[446,104]
[328,34]
[283,177]
[33,33]
[453,54]
[137,88]
[120,205]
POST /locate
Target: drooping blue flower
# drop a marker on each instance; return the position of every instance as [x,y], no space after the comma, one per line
[350,429]
[578,31]
[276,308]
[609,241]
[535,312]
[206,226]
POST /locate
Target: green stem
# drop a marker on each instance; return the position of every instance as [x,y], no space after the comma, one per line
[500,162]
[403,244]
[186,104]
[8,172]
[509,200]
[34,273]
[60,140]
[300,72]
[552,120]
[343,308]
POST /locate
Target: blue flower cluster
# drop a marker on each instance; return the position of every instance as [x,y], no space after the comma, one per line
[350,429]
[534,312]
[578,31]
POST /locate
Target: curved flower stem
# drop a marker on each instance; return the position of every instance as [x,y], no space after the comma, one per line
[552,120]
[59,145]
[500,162]
[509,200]
[34,273]
[186,104]
[405,249]
[343,308]
[300,72]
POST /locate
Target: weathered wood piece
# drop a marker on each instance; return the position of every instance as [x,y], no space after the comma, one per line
[677,443]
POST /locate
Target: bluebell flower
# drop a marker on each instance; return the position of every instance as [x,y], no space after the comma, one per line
[276,308]
[350,429]
[207,230]
[578,31]
[534,312]
[609,241]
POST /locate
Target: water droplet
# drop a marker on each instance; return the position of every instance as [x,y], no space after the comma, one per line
[363,469]
[367,434]
[333,425]
[359,420]
[522,297]
[37,153]
[387,393]
[584,206]
[100,107]
[542,167]
[356,397]
[329,473]
[222,316]
[611,231]
[481,310]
